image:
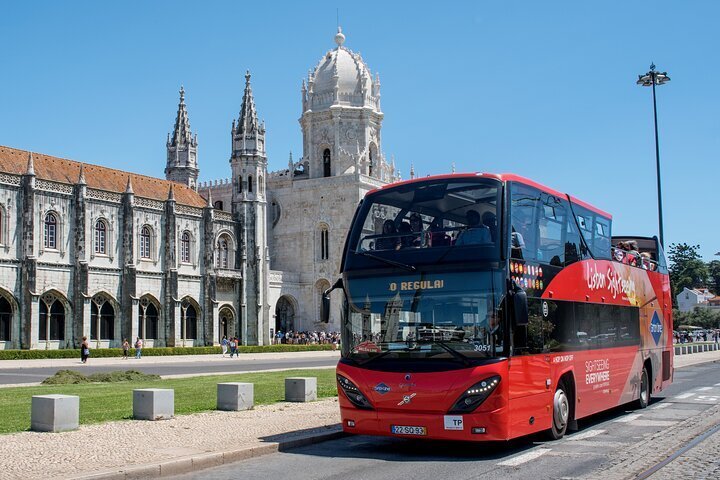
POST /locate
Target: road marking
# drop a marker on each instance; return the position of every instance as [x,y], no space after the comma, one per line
[685,395]
[704,389]
[524,458]
[653,423]
[717,384]
[660,406]
[585,435]
[628,418]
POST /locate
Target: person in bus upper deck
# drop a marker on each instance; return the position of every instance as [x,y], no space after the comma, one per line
[416,226]
[490,221]
[389,239]
[475,232]
[438,237]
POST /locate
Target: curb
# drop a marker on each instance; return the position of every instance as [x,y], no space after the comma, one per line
[193,463]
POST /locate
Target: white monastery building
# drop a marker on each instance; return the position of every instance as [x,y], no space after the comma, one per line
[92,251]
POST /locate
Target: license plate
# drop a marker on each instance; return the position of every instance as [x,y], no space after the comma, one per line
[408,430]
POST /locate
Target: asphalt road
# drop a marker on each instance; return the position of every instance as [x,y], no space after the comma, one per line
[195,367]
[581,453]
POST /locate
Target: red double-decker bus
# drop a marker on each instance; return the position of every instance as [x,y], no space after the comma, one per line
[488,307]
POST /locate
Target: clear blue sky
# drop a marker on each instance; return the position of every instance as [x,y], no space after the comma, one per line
[542,89]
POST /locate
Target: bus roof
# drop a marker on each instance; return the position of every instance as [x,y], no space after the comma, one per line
[503,177]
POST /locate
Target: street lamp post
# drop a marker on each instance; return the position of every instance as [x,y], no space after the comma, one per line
[650,79]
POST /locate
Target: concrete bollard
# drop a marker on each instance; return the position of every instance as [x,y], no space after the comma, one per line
[153,404]
[55,413]
[235,396]
[300,389]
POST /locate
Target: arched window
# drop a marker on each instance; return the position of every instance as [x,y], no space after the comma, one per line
[326,163]
[223,253]
[240,184]
[50,237]
[145,240]
[189,323]
[148,317]
[324,243]
[102,316]
[5,319]
[52,319]
[185,247]
[100,237]
[218,205]
[250,184]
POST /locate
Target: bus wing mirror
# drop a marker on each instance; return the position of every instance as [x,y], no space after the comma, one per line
[325,301]
[520,307]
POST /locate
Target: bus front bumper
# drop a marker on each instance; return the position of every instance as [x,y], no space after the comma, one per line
[482,426]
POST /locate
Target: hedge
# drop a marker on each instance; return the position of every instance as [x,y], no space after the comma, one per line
[154,352]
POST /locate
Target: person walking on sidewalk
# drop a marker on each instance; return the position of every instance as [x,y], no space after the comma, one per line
[138,348]
[84,350]
[233,346]
[224,345]
[126,348]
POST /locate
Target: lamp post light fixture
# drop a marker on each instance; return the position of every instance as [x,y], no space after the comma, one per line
[650,79]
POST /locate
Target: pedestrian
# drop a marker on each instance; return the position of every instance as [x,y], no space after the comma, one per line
[224,345]
[138,348]
[84,350]
[126,348]
[233,346]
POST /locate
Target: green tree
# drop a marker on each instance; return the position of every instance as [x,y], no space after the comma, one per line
[714,270]
[686,268]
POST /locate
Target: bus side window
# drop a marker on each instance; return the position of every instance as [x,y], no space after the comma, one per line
[524,221]
[573,247]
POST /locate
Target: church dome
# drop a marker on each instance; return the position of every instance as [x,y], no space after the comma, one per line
[342,77]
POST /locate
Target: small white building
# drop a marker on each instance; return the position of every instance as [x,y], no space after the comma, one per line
[690,298]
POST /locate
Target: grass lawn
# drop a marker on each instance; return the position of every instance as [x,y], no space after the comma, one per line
[101,402]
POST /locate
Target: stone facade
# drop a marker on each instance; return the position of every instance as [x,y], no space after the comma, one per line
[91,251]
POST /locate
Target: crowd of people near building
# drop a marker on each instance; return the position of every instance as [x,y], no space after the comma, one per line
[696,336]
[306,338]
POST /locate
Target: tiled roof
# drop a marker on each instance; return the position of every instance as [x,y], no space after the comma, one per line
[61,170]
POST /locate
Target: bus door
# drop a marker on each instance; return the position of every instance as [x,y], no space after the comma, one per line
[529,375]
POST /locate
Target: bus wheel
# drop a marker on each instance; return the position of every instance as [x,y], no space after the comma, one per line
[561,413]
[644,399]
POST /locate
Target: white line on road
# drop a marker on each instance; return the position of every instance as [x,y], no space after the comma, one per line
[685,395]
[653,423]
[525,457]
[660,406]
[717,384]
[585,435]
[628,418]
[704,389]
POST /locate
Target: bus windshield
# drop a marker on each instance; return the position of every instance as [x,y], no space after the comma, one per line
[448,316]
[424,223]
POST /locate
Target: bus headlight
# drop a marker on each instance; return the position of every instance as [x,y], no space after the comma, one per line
[475,395]
[353,393]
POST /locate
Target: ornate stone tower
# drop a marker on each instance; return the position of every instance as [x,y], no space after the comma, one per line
[249,170]
[342,120]
[182,149]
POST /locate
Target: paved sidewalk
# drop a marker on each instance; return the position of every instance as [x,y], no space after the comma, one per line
[132,449]
[156,360]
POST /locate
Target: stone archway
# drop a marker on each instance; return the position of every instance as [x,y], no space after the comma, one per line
[226,322]
[284,315]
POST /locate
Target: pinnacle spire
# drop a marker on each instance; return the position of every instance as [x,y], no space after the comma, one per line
[128,188]
[181,132]
[171,193]
[209,199]
[248,121]
[81,177]
[30,165]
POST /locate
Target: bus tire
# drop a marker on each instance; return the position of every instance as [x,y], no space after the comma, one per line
[560,412]
[644,398]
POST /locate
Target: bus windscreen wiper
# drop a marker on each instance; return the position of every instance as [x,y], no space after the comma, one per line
[388,261]
[457,355]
